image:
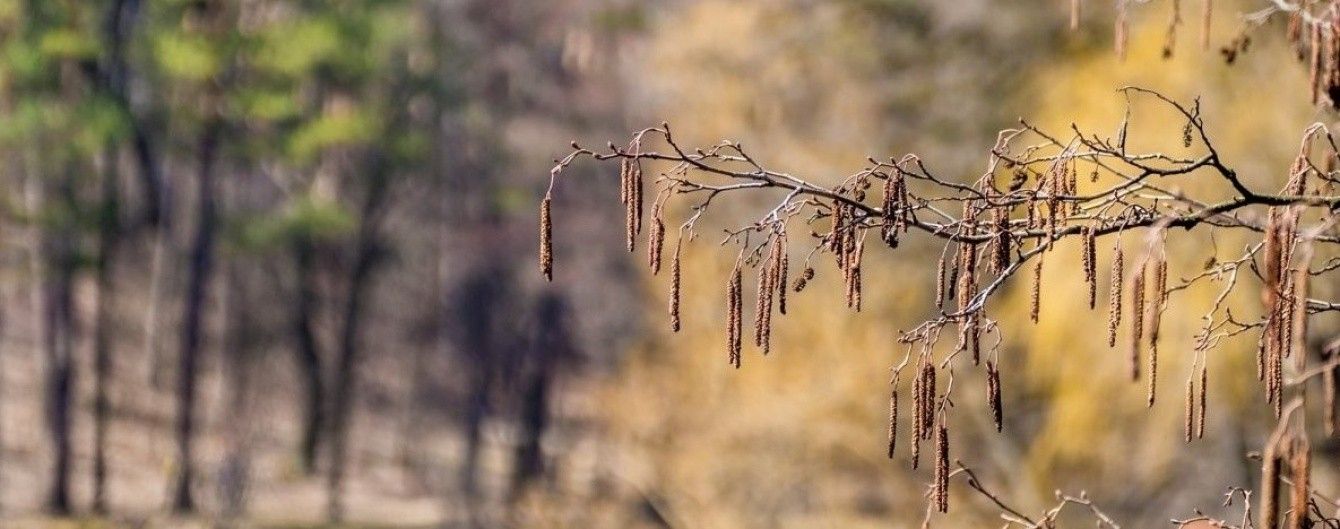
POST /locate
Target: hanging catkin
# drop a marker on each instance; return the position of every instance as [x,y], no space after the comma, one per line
[942,466]
[655,241]
[1188,416]
[626,197]
[1153,374]
[1114,297]
[1036,295]
[993,393]
[734,323]
[1200,411]
[780,282]
[1090,264]
[1137,320]
[927,399]
[967,279]
[940,280]
[853,274]
[546,238]
[893,420]
[1074,14]
[919,407]
[674,288]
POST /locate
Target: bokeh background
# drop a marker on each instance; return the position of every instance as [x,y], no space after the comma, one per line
[367,174]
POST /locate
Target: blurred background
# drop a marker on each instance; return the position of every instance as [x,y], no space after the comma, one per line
[271,263]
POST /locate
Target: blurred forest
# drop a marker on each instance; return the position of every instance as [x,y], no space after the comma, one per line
[270,263]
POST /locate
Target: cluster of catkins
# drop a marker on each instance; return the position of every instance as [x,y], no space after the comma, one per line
[928,421]
[1284,292]
[1316,34]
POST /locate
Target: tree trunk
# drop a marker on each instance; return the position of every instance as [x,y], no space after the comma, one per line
[59,330]
[108,234]
[308,355]
[59,308]
[366,256]
[200,268]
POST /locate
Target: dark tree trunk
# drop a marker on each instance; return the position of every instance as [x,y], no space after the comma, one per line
[59,330]
[200,268]
[122,16]
[367,250]
[529,461]
[108,235]
[475,413]
[551,344]
[308,355]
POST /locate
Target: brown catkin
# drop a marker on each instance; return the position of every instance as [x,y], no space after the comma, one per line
[967,279]
[854,275]
[1189,410]
[1137,320]
[940,281]
[782,265]
[1036,295]
[1200,402]
[972,337]
[1074,14]
[638,200]
[1153,373]
[674,289]
[918,411]
[546,238]
[734,323]
[1090,259]
[893,421]
[993,394]
[928,399]
[760,299]
[655,242]
[942,467]
[1300,463]
[1114,298]
[626,198]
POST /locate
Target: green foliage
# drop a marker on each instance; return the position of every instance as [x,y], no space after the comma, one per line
[306,218]
[297,49]
[341,130]
[185,56]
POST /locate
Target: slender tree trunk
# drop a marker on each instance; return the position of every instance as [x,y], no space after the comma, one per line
[58,308]
[200,268]
[529,460]
[108,235]
[366,256]
[308,355]
[59,337]
[475,412]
